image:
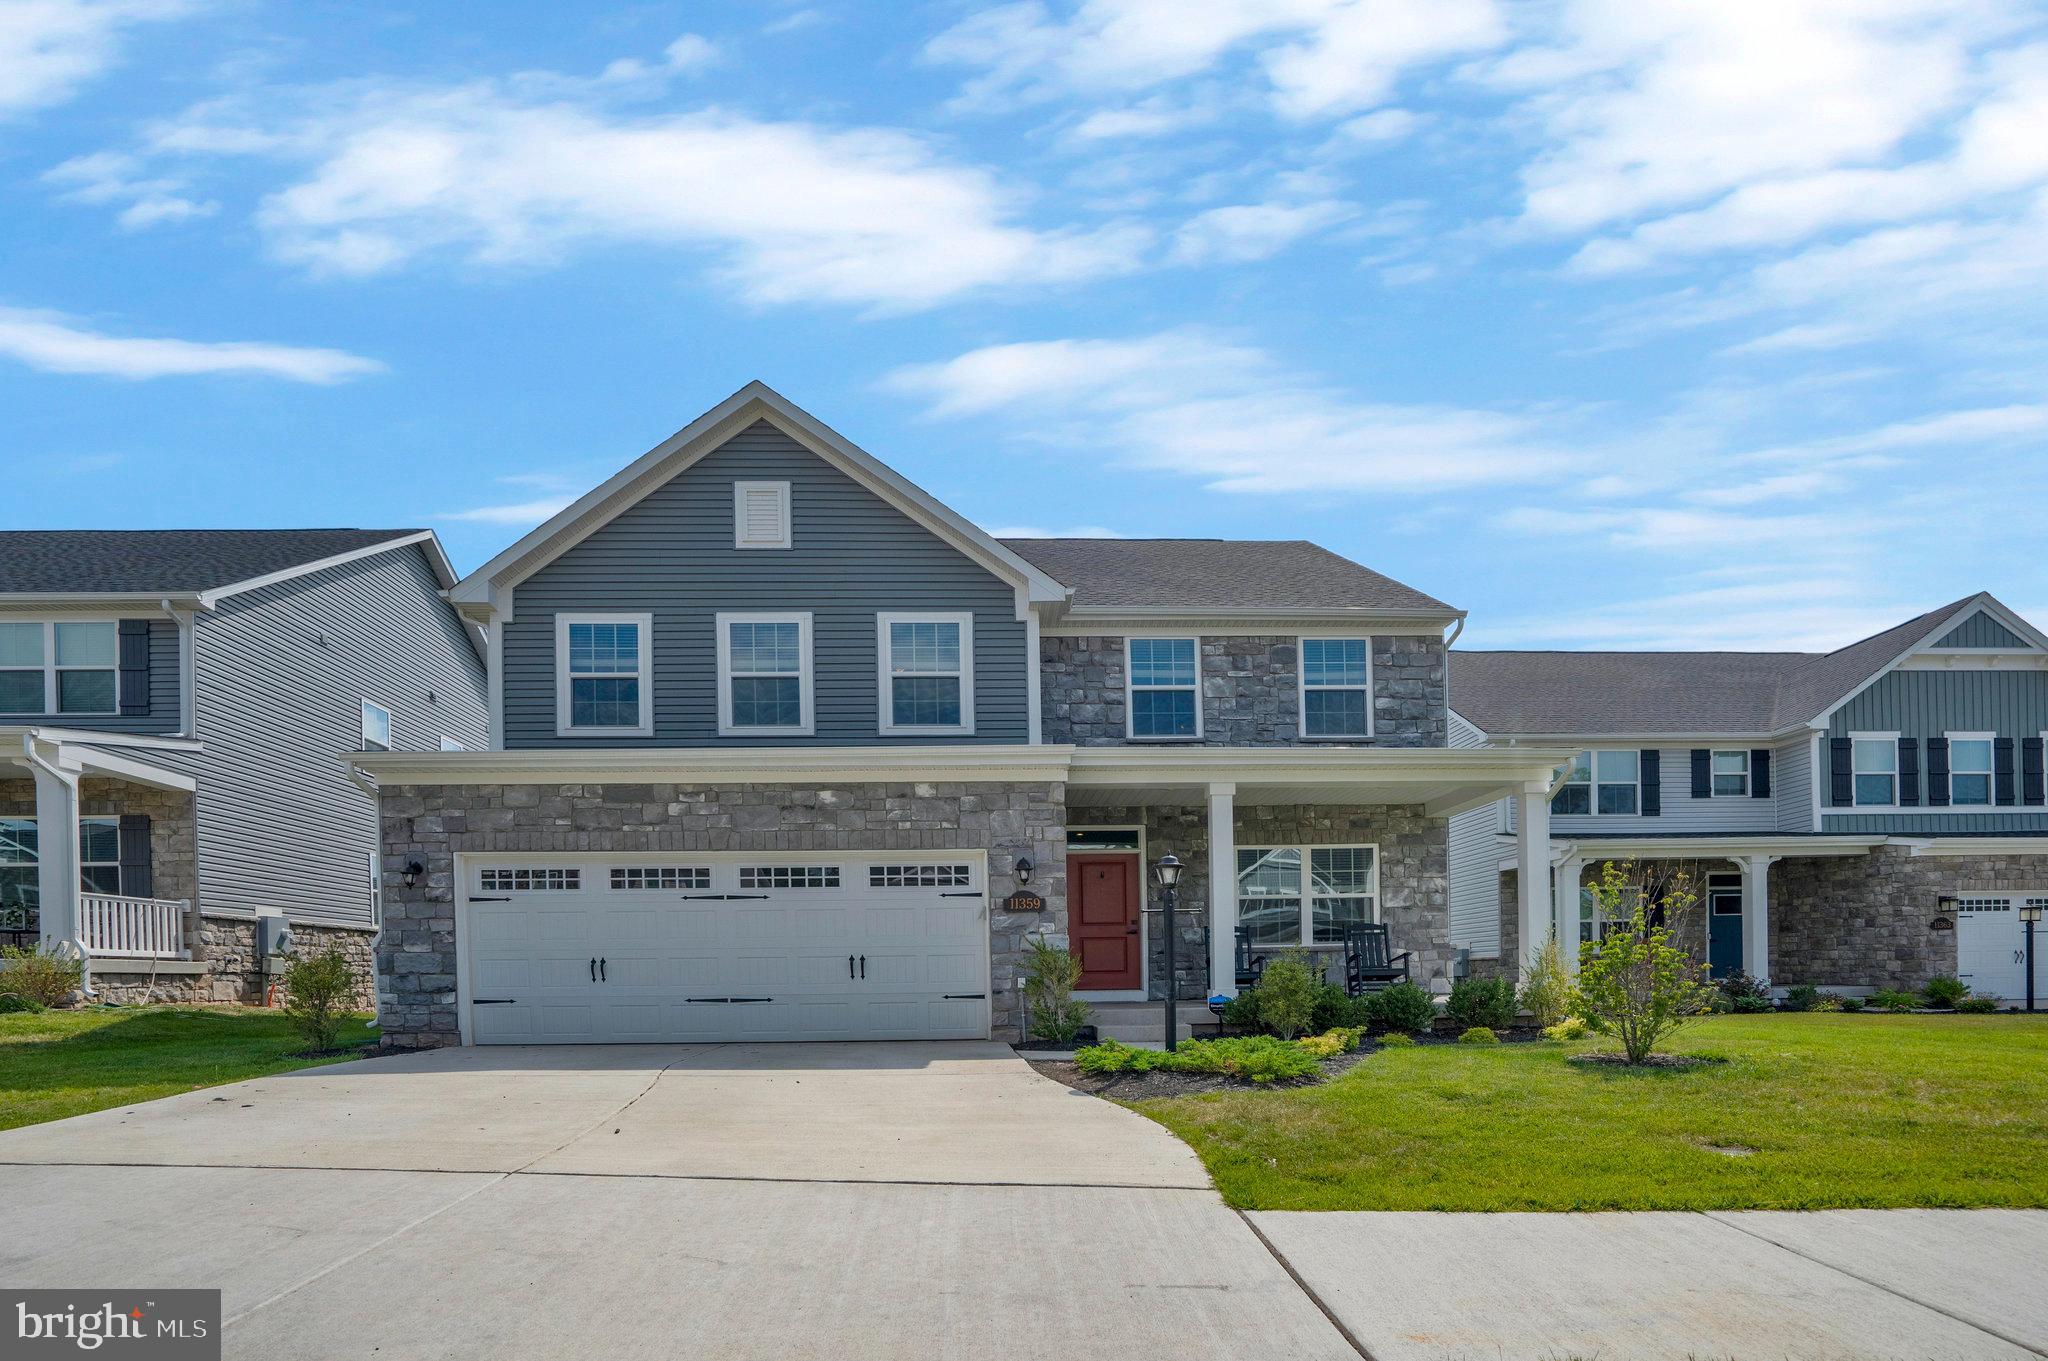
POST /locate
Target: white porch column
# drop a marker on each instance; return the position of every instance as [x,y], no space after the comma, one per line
[1756,915]
[1532,870]
[1565,906]
[1223,889]
[57,850]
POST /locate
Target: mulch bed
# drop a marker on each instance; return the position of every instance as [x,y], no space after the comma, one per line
[1614,1060]
[1139,1086]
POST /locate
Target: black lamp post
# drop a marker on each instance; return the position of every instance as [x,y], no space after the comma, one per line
[2030,912]
[1167,871]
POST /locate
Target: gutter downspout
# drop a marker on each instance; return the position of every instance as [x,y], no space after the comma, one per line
[76,940]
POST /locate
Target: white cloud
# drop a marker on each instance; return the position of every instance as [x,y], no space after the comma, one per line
[1251,231]
[50,342]
[515,513]
[109,177]
[785,212]
[685,56]
[1189,402]
[48,48]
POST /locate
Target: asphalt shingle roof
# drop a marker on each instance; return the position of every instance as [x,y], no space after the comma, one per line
[1270,574]
[141,560]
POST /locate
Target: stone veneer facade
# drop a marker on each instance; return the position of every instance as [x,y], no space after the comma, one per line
[1251,693]
[433,823]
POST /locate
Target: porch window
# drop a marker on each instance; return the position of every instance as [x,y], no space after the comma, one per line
[1876,768]
[764,675]
[927,679]
[1731,774]
[59,668]
[1969,769]
[99,866]
[1342,890]
[1165,699]
[1336,687]
[1601,783]
[604,674]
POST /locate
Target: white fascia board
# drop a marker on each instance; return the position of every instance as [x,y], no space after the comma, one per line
[83,752]
[107,603]
[1639,739]
[755,401]
[1287,765]
[211,598]
[12,734]
[1712,847]
[715,765]
[1975,845]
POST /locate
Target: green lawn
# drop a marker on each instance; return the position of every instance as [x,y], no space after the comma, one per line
[1841,1110]
[61,1063]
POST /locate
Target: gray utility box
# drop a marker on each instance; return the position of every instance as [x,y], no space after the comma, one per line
[273,939]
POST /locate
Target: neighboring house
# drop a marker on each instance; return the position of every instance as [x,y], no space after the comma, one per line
[1864,818]
[786,749]
[176,702]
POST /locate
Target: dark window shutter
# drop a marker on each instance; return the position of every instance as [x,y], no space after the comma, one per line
[1909,772]
[2031,790]
[1760,772]
[1702,773]
[2001,767]
[1841,785]
[1937,772]
[134,662]
[1653,782]
[138,879]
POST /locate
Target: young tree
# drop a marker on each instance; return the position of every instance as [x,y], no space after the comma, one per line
[1548,993]
[1633,982]
[318,990]
[1050,976]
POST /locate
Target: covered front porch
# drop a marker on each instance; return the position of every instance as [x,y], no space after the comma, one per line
[1304,843]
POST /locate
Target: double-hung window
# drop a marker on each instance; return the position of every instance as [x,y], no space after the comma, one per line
[1165,687]
[1336,687]
[1874,762]
[50,667]
[927,672]
[764,675]
[1602,783]
[1969,769]
[604,675]
[1276,906]
[99,866]
[1731,774]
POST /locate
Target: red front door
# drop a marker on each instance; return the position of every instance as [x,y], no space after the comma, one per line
[1102,920]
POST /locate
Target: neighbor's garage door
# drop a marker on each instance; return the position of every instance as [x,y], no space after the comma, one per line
[1991,946]
[574,950]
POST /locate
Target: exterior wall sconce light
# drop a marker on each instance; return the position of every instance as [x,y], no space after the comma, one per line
[1024,869]
[1945,919]
[414,870]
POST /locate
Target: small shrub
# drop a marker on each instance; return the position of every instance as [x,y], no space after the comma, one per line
[318,989]
[1113,1057]
[1549,994]
[1851,1003]
[13,1001]
[1398,1039]
[1829,1001]
[1944,990]
[1242,1011]
[1250,1058]
[1403,1009]
[1287,997]
[1332,1042]
[1745,995]
[1336,1009]
[1478,1034]
[1570,1028]
[1488,1002]
[1635,984]
[1802,997]
[1892,999]
[1976,1006]
[1050,975]
[40,974]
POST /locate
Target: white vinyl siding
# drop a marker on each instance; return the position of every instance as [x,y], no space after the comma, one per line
[604,675]
[926,680]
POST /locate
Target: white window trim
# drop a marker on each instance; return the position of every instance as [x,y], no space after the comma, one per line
[1305,932]
[802,619]
[51,670]
[390,727]
[83,863]
[1593,783]
[563,708]
[1855,806]
[1302,687]
[740,490]
[1990,771]
[1747,771]
[376,869]
[1131,687]
[886,709]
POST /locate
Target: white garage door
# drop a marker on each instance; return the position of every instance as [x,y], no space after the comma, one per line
[626,948]
[1991,946]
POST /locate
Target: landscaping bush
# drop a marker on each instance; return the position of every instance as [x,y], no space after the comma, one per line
[1944,990]
[1332,1042]
[11,1002]
[318,990]
[1892,999]
[1113,1057]
[1478,1034]
[1802,997]
[1549,994]
[1336,1009]
[1399,1039]
[1570,1028]
[1745,995]
[1829,1001]
[1251,1058]
[1851,1003]
[1635,984]
[1287,994]
[1404,1009]
[1488,1002]
[1242,1011]
[1976,1006]
[1050,975]
[41,975]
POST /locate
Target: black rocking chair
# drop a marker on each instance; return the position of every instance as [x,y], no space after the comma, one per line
[1249,965]
[1369,964]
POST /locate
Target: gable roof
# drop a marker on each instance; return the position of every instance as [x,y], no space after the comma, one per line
[1219,574]
[752,403]
[173,561]
[1745,693]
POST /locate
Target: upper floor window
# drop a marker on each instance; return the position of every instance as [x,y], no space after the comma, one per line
[764,675]
[1731,774]
[760,515]
[927,673]
[1336,687]
[1602,783]
[1969,769]
[60,668]
[604,674]
[376,727]
[1165,695]
[1875,764]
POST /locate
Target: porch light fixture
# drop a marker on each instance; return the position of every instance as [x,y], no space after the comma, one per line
[1167,871]
[1024,868]
[413,870]
[2030,913]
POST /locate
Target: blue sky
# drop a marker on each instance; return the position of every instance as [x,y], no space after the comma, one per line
[1618,323]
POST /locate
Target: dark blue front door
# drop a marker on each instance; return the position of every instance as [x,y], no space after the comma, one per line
[1724,933]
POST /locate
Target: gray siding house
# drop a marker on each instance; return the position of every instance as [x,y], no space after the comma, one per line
[1864,818]
[783,748]
[179,701]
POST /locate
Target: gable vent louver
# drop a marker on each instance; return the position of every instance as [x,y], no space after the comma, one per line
[760,513]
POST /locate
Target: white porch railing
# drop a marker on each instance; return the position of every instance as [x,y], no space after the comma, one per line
[131,928]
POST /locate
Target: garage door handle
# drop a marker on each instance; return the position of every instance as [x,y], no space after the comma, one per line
[593,968]
[849,966]
[970,893]
[492,1001]
[490,900]
[863,966]
[963,997]
[600,971]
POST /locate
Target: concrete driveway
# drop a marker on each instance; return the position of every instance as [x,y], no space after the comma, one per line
[831,1201]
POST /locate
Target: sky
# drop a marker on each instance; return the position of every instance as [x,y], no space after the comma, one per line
[1617,323]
